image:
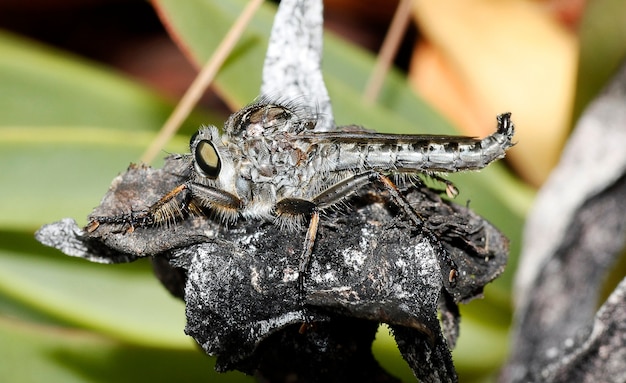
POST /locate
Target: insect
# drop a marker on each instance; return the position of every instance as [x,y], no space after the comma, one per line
[270,164]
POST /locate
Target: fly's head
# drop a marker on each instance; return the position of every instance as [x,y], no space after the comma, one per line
[213,161]
[258,158]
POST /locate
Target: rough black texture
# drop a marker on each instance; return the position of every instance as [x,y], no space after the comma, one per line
[240,282]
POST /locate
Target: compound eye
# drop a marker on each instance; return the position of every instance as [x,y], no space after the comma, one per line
[207,160]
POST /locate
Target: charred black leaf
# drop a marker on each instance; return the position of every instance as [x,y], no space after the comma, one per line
[239,282]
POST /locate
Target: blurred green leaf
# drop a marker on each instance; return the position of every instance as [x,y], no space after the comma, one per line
[32,353]
[45,87]
[67,127]
[346,67]
[128,304]
[58,172]
[602,48]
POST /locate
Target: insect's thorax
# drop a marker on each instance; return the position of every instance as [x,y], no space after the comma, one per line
[276,167]
[270,163]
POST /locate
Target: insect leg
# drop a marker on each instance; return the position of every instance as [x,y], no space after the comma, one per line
[451,190]
[156,213]
[341,190]
[168,208]
[296,207]
[307,251]
[175,205]
[223,203]
[402,202]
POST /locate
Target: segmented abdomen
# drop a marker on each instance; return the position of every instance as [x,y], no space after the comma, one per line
[420,153]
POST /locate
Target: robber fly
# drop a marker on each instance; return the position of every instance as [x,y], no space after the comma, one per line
[270,164]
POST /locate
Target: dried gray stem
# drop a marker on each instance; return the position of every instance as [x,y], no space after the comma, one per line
[574,235]
[292,68]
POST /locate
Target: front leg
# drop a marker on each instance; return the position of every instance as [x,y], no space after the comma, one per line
[176,205]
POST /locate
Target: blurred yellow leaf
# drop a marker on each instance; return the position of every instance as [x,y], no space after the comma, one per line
[482,58]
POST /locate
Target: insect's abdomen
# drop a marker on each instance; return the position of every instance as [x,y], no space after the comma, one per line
[425,153]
